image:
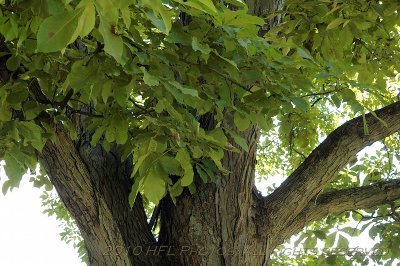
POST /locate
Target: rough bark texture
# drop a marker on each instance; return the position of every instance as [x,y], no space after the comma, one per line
[219,221]
[94,186]
[224,223]
[322,165]
[337,201]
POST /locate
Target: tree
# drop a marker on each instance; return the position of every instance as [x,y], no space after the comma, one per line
[146,117]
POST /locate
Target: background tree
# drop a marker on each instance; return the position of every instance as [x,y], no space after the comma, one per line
[131,104]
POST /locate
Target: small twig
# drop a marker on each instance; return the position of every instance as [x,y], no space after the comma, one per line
[315,102]
[318,93]
[64,102]
[39,96]
[86,113]
[142,113]
[388,156]
[363,217]
[154,218]
[79,101]
[222,75]
[299,153]
[230,79]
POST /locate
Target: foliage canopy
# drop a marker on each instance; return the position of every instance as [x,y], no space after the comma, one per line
[145,82]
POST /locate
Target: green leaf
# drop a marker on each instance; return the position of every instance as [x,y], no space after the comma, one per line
[175,190]
[320,234]
[242,122]
[13,63]
[32,134]
[97,135]
[39,7]
[106,90]
[206,6]
[5,113]
[154,186]
[217,136]
[197,46]
[31,110]
[343,242]
[121,130]
[331,260]
[192,188]
[301,104]
[87,20]
[159,9]
[241,18]
[361,24]
[242,142]
[82,76]
[113,44]
[310,242]
[183,89]
[57,31]
[152,147]
[232,63]
[136,187]
[108,8]
[351,231]
[216,155]
[170,165]
[18,94]
[305,54]
[138,163]
[203,174]
[14,169]
[110,134]
[7,185]
[335,23]
[150,79]
[183,158]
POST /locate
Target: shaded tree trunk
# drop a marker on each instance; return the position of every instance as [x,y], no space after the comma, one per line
[216,226]
[94,187]
[224,223]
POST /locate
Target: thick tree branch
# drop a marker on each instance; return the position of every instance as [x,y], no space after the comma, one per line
[94,186]
[338,201]
[322,165]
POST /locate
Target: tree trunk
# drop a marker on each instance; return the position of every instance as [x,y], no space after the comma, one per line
[215,226]
[94,187]
[223,223]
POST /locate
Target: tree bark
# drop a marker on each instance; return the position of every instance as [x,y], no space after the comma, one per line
[218,223]
[223,223]
[94,187]
[322,165]
[337,201]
